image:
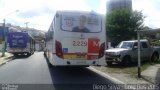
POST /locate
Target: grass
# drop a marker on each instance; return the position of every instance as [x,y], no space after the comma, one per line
[132,69]
[128,70]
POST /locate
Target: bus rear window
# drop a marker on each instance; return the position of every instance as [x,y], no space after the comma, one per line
[86,23]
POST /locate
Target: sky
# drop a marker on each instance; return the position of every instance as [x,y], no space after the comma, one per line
[39,13]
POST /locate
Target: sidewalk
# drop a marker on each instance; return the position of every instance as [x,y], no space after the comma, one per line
[149,76]
[6,58]
[152,74]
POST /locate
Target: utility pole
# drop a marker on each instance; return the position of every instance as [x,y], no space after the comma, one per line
[3,36]
[26,24]
[139,55]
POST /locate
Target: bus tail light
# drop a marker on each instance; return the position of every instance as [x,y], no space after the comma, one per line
[59,52]
[101,50]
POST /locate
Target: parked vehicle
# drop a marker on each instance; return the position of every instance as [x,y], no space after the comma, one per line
[20,43]
[76,38]
[127,52]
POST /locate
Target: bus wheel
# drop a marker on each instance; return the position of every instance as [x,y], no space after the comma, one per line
[50,65]
[32,52]
[15,55]
[28,54]
[44,54]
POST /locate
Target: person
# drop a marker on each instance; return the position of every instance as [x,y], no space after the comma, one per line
[81,27]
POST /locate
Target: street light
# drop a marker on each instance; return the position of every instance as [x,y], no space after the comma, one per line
[3,35]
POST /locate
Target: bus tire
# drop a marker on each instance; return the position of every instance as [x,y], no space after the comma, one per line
[50,65]
[28,54]
[44,54]
[15,54]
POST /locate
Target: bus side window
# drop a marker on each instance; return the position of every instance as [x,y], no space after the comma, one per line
[51,34]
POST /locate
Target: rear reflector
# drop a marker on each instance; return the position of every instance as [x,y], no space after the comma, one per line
[101,50]
[59,52]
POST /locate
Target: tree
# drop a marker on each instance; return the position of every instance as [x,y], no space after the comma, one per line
[122,23]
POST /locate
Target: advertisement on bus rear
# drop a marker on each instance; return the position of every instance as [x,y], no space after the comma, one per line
[86,23]
[17,40]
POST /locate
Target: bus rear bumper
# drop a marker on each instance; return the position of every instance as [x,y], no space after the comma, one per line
[64,62]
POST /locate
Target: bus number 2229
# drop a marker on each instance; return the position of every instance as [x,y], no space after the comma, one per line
[79,43]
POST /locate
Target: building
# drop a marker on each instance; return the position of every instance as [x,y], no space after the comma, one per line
[114,5]
[118,4]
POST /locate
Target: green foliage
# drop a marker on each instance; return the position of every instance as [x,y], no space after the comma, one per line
[155,43]
[122,23]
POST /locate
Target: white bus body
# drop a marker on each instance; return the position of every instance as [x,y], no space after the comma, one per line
[65,47]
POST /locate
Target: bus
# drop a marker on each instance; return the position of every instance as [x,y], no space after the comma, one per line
[76,38]
[20,43]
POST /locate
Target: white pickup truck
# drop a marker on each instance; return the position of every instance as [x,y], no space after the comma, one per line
[126,52]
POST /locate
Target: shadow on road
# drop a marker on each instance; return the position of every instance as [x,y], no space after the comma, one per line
[76,78]
[20,57]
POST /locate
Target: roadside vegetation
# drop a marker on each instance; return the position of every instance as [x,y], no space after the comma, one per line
[132,69]
[120,26]
[122,23]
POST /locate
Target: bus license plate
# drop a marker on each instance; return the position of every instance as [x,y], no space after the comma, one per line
[81,56]
[81,62]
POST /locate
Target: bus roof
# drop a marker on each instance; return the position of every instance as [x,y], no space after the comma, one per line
[76,11]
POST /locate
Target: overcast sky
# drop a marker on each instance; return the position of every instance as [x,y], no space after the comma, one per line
[39,13]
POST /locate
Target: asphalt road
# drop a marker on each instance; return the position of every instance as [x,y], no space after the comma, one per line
[34,73]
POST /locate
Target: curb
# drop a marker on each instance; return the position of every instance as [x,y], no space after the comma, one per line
[5,61]
[114,80]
